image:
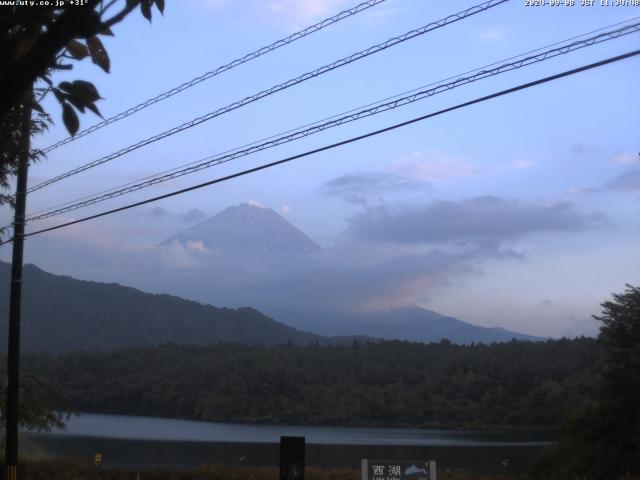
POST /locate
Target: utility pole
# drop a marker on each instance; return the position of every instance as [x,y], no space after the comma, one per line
[13,355]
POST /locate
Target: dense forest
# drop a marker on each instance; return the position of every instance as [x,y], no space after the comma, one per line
[509,385]
[61,314]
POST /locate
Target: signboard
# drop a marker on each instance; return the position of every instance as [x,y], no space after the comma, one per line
[398,470]
[292,458]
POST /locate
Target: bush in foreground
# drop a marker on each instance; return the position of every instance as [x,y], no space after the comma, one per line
[71,469]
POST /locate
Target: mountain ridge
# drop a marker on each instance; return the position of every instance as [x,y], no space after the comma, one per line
[411,323]
[247,227]
[61,313]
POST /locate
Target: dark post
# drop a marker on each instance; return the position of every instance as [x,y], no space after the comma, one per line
[291,458]
[13,355]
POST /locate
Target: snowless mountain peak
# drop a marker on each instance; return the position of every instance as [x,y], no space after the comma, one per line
[248,228]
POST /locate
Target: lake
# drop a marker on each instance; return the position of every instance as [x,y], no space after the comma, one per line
[146,442]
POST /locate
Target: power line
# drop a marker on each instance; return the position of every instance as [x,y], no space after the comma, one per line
[221,69]
[282,86]
[524,86]
[333,122]
[112,189]
[332,117]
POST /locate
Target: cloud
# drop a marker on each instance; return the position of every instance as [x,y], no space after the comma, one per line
[159,212]
[626,182]
[519,163]
[359,187]
[413,174]
[290,13]
[99,235]
[626,158]
[302,10]
[492,36]
[211,4]
[192,215]
[195,246]
[574,191]
[582,328]
[480,220]
[583,149]
[285,208]
[433,165]
[176,255]
[333,281]
[388,257]
[360,278]
[256,204]
[355,275]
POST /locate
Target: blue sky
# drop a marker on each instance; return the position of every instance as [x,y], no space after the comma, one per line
[542,186]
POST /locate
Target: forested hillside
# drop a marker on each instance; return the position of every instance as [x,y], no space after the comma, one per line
[509,385]
[61,313]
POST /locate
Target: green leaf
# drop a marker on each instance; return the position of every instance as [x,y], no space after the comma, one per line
[106,31]
[66,86]
[37,107]
[81,94]
[70,119]
[160,5]
[145,8]
[98,53]
[77,49]
[76,102]
[85,90]
[94,109]
[88,23]
[61,97]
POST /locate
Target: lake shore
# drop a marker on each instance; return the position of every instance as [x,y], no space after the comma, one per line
[71,469]
[147,443]
[133,427]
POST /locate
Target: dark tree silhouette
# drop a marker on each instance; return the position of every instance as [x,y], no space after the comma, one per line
[619,408]
[43,406]
[36,42]
[602,439]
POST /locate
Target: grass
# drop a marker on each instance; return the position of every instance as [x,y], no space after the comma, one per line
[70,469]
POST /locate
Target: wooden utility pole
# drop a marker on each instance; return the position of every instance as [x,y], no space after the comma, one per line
[13,355]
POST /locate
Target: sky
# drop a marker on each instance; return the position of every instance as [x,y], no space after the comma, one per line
[520,212]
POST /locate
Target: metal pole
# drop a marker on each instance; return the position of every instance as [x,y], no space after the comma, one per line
[13,355]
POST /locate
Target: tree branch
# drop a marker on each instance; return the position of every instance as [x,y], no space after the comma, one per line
[107,6]
[71,23]
[119,16]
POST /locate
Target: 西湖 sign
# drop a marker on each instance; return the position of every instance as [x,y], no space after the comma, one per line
[398,470]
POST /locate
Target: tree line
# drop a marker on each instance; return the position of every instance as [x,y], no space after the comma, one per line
[512,385]
[587,389]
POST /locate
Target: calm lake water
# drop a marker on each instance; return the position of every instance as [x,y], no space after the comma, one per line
[147,441]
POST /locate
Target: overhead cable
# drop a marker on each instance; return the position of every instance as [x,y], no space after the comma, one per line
[277,88]
[217,71]
[179,167]
[305,131]
[501,93]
